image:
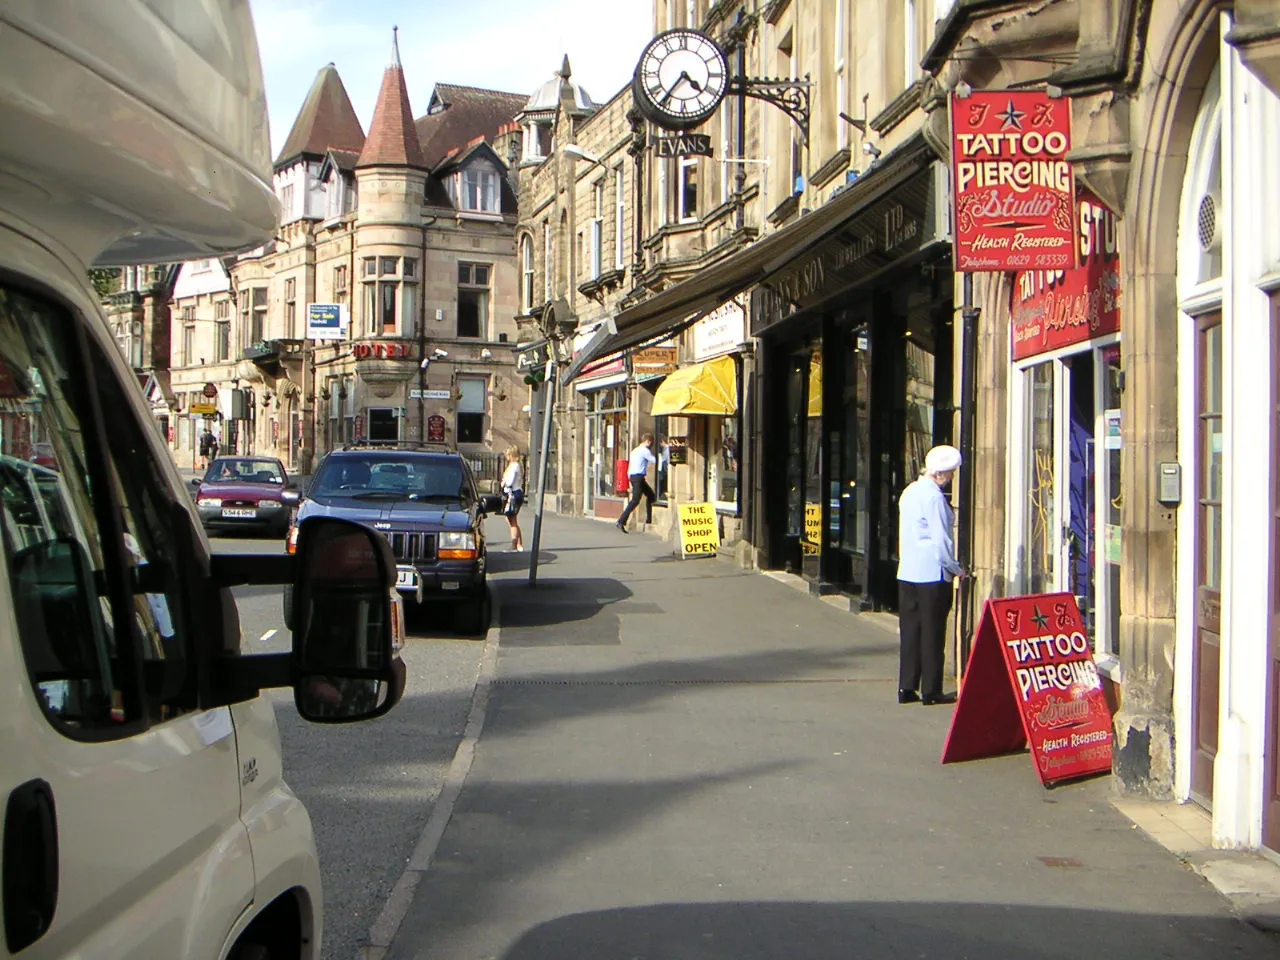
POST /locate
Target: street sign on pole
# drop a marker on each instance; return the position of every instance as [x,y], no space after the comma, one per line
[549,402]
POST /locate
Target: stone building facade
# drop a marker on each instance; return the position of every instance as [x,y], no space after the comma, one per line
[407,234]
[1135,468]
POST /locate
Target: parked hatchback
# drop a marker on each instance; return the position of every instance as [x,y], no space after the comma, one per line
[245,493]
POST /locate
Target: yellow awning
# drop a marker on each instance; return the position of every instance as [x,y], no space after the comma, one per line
[707,388]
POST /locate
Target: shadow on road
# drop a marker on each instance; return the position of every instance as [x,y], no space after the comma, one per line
[872,931]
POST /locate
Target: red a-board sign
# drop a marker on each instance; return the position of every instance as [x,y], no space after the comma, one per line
[1032,679]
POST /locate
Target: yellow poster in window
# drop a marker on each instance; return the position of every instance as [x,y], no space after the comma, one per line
[699,530]
[811,542]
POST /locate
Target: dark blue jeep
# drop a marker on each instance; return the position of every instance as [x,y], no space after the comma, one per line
[424,501]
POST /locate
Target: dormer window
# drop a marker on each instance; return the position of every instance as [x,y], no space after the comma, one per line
[481,189]
[537,139]
[335,193]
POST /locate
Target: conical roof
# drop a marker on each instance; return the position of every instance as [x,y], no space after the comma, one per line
[393,138]
[325,120]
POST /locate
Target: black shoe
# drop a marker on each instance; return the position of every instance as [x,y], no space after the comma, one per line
[942,698]
[620,526]
[908,696]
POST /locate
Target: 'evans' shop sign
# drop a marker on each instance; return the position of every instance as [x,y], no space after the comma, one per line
[891,228]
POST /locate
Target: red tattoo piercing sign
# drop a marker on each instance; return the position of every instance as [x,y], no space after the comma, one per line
[1013,187]
[1032,680]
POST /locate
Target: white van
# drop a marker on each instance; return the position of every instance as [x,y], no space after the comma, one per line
[144,812]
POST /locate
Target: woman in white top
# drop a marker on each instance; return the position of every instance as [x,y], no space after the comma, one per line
[513,496]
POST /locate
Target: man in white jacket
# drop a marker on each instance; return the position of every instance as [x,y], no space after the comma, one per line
[926,566]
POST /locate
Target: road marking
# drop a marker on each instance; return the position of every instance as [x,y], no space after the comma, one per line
[267,636]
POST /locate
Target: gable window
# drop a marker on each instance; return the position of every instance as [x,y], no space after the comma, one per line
[336,194]
[597,228]
[480,189]
[222,330]
[526,274]
[471,409]
[286,202]
[620,217]
[547,271]
[290,306]
[258,319]
[390,296]
[340,284]
[473,300]
[188,334]
[688,189]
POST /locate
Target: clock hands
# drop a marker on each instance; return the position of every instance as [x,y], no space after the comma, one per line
[683,78]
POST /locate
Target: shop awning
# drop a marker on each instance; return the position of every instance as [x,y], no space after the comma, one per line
[707,388]
[670,311]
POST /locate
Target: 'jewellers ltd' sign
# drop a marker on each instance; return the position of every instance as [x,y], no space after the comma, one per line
[893,227]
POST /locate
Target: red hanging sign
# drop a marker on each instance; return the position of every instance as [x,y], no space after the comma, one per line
[1031,679]
[1060,308]
[435,428]
[1013,188]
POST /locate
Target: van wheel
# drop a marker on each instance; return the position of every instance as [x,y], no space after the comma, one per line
[250,951]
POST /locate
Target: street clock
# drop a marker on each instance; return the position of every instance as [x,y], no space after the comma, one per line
[681,78]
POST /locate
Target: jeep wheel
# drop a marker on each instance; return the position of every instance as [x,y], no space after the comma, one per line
[471,616]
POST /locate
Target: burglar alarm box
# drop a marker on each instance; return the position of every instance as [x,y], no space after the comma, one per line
[1169,483]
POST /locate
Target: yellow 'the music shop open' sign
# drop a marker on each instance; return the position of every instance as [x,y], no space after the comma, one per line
[699,530]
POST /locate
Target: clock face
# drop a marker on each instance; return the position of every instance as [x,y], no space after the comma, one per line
[681,79]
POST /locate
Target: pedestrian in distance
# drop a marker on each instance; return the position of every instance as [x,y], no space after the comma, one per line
[206,448]
[642,459]
[926,566]
[513,496]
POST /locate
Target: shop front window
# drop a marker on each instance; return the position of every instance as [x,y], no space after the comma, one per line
[856,467]
[1039,562]
[662,436]
[608,411]
[725,487]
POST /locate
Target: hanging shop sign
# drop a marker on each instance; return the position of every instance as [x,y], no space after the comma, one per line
[382,351]
[1031,679]
[1013,187]
[887,230]
[683,145]
[654,361]
[699,530]
[1060,308]
[720,331]
[677,450]
[202,409]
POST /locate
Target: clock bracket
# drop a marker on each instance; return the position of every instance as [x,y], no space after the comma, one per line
[789,96]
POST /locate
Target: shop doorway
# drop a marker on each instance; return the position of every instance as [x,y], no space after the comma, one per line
[1271,751]
[384,425]
[1206,650]
[804,461]
[1066,467]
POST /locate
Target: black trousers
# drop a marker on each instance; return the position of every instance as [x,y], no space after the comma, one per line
[639,488]
[922,623]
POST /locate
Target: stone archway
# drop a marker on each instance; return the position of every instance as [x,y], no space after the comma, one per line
[1163,117]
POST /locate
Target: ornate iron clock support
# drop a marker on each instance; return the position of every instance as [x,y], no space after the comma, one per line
[789,96]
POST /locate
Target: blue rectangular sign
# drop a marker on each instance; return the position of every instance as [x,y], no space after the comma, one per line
[326,321]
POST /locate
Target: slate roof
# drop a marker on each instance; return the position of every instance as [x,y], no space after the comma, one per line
[393,137]
[460,114]
[325,120]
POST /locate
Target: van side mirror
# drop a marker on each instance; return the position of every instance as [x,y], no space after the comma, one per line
[348,623]
[491,502]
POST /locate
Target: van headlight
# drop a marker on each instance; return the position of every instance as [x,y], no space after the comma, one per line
[456,545]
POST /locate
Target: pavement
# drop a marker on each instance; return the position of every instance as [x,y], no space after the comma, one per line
[680,760]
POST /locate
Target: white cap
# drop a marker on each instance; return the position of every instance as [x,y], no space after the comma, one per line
[941,459]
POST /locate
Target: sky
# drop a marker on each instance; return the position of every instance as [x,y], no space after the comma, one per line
[508,45]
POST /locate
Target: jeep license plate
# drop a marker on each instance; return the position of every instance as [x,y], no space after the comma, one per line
[238,513]
[406,579]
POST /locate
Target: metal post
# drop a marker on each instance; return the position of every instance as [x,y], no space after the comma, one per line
[549,402]
[965,522]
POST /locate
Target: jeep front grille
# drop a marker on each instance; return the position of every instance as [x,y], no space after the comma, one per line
[413,547]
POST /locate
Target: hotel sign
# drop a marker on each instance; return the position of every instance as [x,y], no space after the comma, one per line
[884,232]
[1013,187]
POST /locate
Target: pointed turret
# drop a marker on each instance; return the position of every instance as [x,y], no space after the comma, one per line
[393,138]
[326,120]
